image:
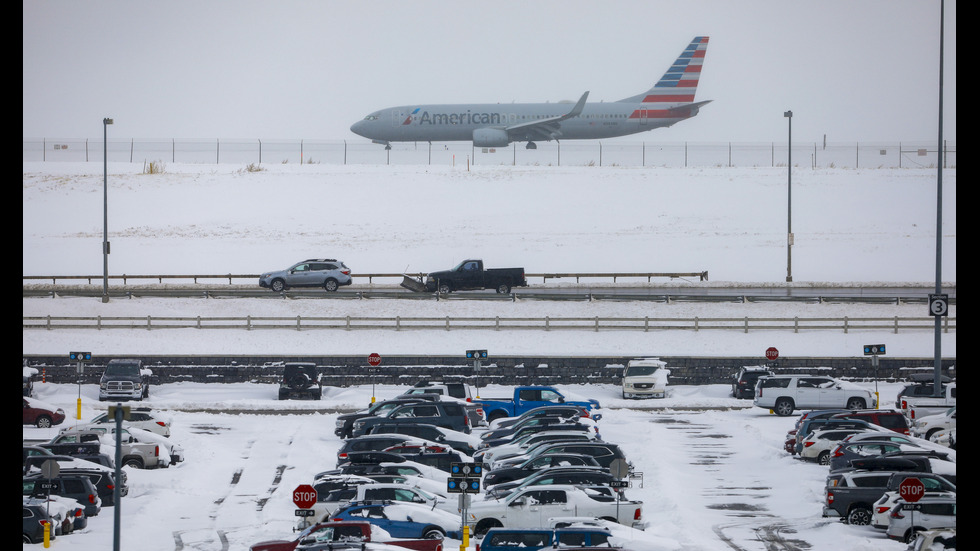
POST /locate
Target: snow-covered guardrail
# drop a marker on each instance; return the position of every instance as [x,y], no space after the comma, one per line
[498,323]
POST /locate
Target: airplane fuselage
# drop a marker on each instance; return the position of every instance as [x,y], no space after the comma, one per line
[456,122]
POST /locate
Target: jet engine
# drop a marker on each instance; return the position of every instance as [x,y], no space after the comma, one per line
[490,137]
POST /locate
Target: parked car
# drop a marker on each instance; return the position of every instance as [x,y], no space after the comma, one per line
[345,423]
[561,410]
[888,418]
[825,423]
[784,394]
[791,438]
[533,465]
[382,492]
[929,425]
[42,414]
[523,444]
[921,384]
[36,516]
[433,455]
[336,535]
[392,517]
[79,488]
[135,454]
[645,378]
[102,477]
[443,414]
[531,507]
[882,508]
[520,434]
[538,421]
[743,382]
[328,273]
[905,519]
[66,513]
[818,445]
[933,540]
[603,452]
[845,452]
[458,391]
[140,417]
[575,476]
[125,379]
[300,380]
[370,442]
[459,441]
[851,495]
[528,397]
[531,539]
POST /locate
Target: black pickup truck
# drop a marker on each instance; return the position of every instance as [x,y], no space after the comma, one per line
[468,275]
[851,495]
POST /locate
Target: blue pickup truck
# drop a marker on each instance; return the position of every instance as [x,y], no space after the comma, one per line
[527,398]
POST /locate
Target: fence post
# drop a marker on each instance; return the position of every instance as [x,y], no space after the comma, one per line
[547,323]
[248,322]
[746,324]
[597,324]
[348,323]
[198,322]
[845,324]
[297,322]
[398,323]
[896,325]
[447,323]
[496,324]
[147,323]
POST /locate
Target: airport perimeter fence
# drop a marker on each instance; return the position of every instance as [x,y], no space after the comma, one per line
[569,153]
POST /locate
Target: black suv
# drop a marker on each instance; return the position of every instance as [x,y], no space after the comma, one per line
[299,380]
[743,382]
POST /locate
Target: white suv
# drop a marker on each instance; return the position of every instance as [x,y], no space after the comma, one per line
[645,378]
[328,273]
[785,393]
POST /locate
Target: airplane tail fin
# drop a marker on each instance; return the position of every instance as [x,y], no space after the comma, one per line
[680,82]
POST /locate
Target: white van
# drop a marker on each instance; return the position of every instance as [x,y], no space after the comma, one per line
[645,378]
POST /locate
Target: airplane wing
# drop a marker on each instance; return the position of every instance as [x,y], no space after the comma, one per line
[549,128]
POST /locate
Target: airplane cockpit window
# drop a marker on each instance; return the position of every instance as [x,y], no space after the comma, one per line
[371,118]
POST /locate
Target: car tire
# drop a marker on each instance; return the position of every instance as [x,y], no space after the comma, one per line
[433,534]
[331,285]
[856,403]
[503,289]
[823,458]
[484,526]
[859,516]
[43,422]
[496,415]
[784,407]
[134,462]
[278,285]
[444,289]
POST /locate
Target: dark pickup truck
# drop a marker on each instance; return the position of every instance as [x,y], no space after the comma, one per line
[851,495]
[466,276]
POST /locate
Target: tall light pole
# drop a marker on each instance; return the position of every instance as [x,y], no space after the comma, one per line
[105,209]
[937,345]
[789,200]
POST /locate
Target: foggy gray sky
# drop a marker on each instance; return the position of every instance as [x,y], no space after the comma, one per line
[242,69]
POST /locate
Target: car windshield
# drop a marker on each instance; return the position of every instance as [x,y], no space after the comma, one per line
[129,370]
[641,370]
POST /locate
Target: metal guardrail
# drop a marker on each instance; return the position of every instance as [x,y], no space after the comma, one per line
[498,323]
[125,278]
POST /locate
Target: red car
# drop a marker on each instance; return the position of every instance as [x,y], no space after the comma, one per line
[42,414]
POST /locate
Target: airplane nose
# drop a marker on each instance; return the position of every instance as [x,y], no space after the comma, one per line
[358,128]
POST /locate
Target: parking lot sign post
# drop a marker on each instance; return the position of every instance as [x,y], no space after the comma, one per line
[464,479]
[874,350]
[304,497]
[81,358]
[911,490]
[374,359]
[477,356]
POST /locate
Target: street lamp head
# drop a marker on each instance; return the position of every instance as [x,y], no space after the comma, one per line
[106,121]
[786,114]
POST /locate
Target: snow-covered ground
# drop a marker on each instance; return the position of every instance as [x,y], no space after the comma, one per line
[713,479]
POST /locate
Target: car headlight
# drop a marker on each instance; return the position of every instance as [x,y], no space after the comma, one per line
[340,423]
[103,386]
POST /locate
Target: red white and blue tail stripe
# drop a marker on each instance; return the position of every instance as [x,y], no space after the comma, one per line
[680,82]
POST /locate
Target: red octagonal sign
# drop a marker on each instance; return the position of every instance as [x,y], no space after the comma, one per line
[911,489]
[772,353]
[374,359]
[304,496]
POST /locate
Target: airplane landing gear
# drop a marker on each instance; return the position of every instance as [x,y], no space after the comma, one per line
[531,145]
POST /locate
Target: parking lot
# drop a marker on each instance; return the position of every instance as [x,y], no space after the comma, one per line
[714,472]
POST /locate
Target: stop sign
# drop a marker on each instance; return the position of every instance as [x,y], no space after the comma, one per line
[772,353]
[374,359]
[304,496]
[911,489]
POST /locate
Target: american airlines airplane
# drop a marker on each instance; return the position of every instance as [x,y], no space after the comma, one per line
[671,100]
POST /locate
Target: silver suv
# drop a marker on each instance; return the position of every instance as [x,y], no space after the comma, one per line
[328,273]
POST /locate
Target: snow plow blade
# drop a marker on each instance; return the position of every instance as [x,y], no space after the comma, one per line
[413,284]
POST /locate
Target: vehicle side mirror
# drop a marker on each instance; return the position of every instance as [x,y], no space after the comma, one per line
[561,399]
[518,502]
[596,416]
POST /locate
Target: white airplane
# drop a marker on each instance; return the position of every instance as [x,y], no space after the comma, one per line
[670,101]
